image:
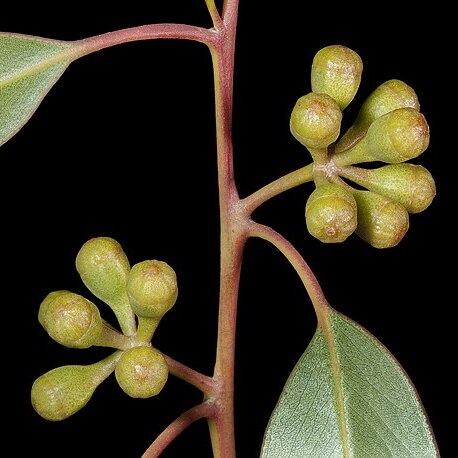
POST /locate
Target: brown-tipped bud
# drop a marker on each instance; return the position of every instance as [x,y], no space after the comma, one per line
[389,96]
[70,319]
[142,372]
[63,391]
[395,137]
[315,120]
[398,136]
[103,267]
[410,185]
[152,288]
[336,71]
[381,221]
[330,213]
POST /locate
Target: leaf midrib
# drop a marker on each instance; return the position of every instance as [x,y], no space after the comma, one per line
[325,325]
[64,56]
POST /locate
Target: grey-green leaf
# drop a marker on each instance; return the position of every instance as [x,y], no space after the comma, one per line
[348,397]
[29,67]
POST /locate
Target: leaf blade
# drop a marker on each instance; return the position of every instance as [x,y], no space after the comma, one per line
[315,364]
[29,67]
[381,411]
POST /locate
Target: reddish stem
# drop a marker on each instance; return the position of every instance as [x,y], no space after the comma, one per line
[309,280]
[202,382]
[177,427]
[145,32]
[232,237]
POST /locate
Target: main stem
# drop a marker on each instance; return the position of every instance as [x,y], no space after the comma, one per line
[233,237]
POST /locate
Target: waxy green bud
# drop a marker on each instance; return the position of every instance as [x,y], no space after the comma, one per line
[410,185]
[63,391]
[395,137]
[381,222]
[336,71]
[70,319]
[330,213]
[389,96]
[152,288]
[142,372]
[398,136]
[315,121]
[75,322]
[104,267]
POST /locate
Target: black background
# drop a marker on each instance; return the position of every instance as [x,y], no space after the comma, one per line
[123,146]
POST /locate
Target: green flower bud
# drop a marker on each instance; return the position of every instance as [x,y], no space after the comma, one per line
[410,185]
[330,213]
[389,96]
[315,120]
[104,267]
[395,137]
[381,221]
[75,322]
[336,71]
[398,136]
[70,319]
[152,288]
[142,372]
[63,391]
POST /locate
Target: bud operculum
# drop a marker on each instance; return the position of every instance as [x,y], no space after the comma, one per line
[152,288]
[330,213]
[398,136]
[395,137]
[336,71]
[142,372]
[315,121]
[70,319]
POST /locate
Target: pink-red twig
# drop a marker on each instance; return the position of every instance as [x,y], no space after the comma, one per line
[202,382]
[145,32]
[175,428]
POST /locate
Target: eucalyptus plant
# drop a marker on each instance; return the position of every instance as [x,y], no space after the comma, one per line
[347,395]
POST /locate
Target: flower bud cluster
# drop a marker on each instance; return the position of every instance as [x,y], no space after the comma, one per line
[139,297]
[388,129]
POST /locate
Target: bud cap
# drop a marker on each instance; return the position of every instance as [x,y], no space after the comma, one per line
[70,319]
[142,372]
[330,213]
[315,120]
[398,136]
[152,288]
[336,71]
